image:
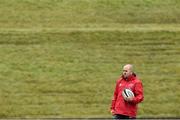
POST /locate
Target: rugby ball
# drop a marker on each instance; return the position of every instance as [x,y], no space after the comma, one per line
[127,93]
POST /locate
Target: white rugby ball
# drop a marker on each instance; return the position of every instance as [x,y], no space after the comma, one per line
[127,93]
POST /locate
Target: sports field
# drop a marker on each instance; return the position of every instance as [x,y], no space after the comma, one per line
[61,58]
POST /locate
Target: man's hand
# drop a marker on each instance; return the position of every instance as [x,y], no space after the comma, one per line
[112,112]
[128,99]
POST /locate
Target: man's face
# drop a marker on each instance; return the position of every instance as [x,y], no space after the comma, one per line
[126,71]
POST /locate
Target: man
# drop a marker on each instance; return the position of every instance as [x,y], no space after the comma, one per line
[124,108]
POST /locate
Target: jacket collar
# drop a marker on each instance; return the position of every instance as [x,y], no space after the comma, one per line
[130,78]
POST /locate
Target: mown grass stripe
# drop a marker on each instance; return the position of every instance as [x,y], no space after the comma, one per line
[118,27]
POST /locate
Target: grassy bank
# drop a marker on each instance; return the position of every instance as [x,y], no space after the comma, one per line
[61,58]
[72,74]
[74,13]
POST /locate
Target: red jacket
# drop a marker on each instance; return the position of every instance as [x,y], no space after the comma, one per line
[119,105]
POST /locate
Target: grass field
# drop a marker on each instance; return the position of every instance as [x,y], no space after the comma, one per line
[61,58]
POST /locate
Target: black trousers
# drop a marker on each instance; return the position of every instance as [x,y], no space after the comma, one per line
[119,117]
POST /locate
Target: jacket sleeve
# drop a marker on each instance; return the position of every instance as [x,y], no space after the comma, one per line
[114,97]
[139,96]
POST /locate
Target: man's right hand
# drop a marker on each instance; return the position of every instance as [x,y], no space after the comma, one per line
[112,112]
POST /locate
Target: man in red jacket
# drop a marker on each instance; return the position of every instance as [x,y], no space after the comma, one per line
[124,108]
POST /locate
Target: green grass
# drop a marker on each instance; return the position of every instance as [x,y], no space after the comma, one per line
[74,13]
[72,74]
[61,58]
